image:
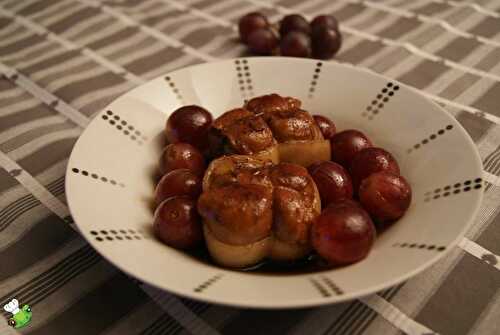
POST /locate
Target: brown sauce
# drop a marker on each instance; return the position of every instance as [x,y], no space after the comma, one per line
[310,264]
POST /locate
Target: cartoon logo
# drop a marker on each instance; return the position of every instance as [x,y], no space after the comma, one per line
[20,317]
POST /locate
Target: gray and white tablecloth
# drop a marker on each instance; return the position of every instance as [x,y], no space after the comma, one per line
[61,61]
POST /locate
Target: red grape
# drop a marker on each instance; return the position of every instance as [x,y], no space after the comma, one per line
[181,156]
[385,195]
[251,22]
[296,44]
[324,21]
[326,43]
[326,126]
[189,124]
[262,41]
[346,144]
[177,223]
[294,22]
[343,233]
[371,160]
[332,180]
[178,182]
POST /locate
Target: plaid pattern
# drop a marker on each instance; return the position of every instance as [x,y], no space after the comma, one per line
[63,60]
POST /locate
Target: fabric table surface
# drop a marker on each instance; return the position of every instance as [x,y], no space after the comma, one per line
[62,61]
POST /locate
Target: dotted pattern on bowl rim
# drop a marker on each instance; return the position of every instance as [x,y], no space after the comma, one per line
[432,137]
[174,89]
[420,246]
[118,235]
[331,284]
[314,80]
[453,189]
[203,286]
[325,286]
[126,128]
[96,177]
[320,288]
[244,78]
[380,100]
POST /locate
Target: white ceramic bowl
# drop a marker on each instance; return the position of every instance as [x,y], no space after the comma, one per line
[110,186]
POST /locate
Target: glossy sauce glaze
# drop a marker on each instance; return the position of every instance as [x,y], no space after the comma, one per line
[311,264]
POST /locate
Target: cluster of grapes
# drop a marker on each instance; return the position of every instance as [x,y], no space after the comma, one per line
[360,188]
[182,165]
[298,38]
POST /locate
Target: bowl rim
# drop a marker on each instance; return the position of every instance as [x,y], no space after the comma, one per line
[299,303]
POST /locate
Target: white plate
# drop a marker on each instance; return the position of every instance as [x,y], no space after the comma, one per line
[109,180]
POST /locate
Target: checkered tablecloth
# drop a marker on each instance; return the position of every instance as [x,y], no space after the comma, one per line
[61,61]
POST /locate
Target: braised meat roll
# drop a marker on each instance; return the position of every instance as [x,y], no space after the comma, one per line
[272,127]
[269,104]
[296,204]
[253,210]
[242,132]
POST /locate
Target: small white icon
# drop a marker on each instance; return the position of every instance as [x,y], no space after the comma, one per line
[12,307]
[20,316]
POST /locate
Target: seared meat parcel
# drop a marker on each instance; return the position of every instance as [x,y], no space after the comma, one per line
[252,210]
[274,128]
